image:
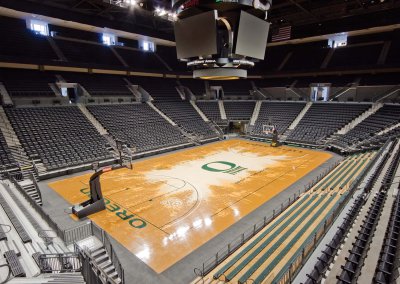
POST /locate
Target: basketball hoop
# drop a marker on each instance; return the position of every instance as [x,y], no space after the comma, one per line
[126,156]
[268,129]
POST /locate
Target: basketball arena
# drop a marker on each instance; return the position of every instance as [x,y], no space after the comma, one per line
[194,141]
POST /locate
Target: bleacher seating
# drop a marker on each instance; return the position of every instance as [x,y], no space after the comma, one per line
[20,44]
[59,136]
[211,110]
[385,117]
[159,89]
[15,266]
[237,88]
[183,114]
[6,158]
[81,53]
[196,86]
[307,56]
[279,114]
[273,59]
[25,238]
[140,60]
[323,119]
[351,270]
[100,85]
[388,258]
[257,260]
[139,125]
[329,253]
[27,83]
[239,110]
[371,142]
[353,56]
[168,54]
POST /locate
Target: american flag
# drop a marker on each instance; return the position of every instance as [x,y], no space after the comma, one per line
[282,33]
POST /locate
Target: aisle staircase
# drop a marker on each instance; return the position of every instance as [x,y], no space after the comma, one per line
[92,119]
[161,113]
[100,256]
[222,109]
[388,129]
[29,185]
[299,117]
[27,166]
[212,125]
[373,109]
[203,116]
[4,94]
[12,140]
[256,112]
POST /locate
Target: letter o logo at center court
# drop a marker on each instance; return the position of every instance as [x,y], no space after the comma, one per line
[226,166]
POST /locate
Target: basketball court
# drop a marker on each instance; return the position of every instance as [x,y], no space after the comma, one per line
[169,205]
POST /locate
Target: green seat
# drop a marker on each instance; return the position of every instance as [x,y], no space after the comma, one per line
[299,251]
[261,236]
[287,248]
[351,176]
[272,249]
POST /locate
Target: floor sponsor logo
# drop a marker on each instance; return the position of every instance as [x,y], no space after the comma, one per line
[223,167]
[121,213]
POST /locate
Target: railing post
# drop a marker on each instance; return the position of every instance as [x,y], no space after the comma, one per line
[91,228]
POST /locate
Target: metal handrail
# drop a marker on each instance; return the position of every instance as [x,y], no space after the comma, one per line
[7,226]
[9,273]
[86,253]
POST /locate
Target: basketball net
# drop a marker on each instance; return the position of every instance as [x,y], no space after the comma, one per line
[268,129]
[127,154]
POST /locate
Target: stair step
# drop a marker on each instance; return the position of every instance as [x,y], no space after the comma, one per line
[98,252]
[101,259]
[113,275]
[106,264]
[109,269]
[29,187]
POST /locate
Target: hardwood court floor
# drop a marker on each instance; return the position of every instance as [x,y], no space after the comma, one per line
[169,205]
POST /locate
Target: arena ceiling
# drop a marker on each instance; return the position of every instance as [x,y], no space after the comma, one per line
[307,17]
